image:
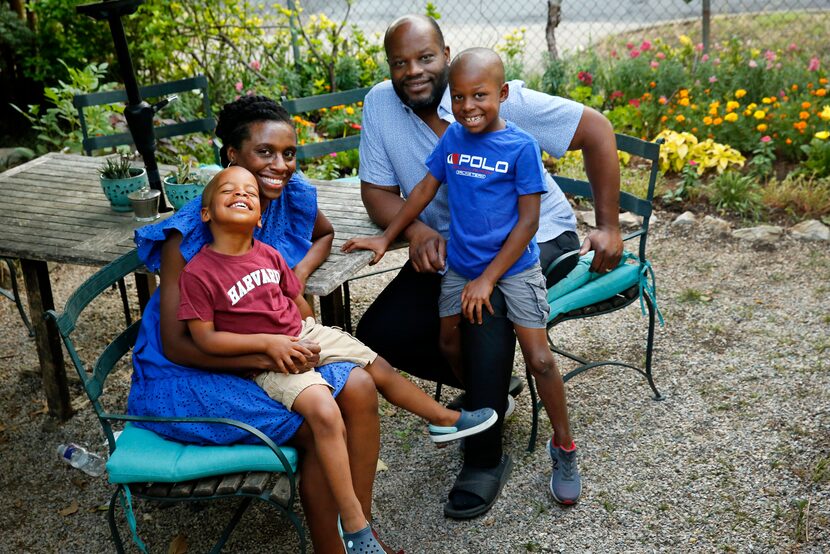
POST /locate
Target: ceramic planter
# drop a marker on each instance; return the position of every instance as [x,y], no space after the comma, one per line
[116,190]
[180,194]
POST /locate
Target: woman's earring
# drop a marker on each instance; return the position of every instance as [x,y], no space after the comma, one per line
[231,162]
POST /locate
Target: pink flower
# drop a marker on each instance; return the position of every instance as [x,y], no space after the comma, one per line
[585,78]
[699,47]
[634,102]
[704,58]
[769,55]
[645,46]
[333,154]
[692,163]
[753,63]
[766,138]
[613,53]
[238,86]
[255,65]
[814,64]
[616,94]
[634,53]
[660,56]
[792,46]
[713,79]
[654,64]
[629,45]
[716,61]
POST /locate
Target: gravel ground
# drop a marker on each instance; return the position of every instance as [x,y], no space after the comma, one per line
[736,458]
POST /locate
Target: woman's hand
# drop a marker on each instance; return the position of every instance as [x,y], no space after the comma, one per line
[475,295]
[288,354]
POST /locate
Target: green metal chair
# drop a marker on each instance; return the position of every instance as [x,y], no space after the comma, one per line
[270,476]
[205,124]
[600,295]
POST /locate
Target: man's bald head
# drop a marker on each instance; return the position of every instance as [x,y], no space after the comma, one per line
[427,25]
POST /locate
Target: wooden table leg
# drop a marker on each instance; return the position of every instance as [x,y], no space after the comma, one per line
[332,310]
[145,284]
[47,338]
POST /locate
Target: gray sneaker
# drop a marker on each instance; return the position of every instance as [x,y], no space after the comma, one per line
[565,482]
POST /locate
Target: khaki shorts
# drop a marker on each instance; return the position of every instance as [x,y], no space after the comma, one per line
[335,346]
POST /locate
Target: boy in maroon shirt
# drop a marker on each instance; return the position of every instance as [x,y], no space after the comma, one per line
[238,296]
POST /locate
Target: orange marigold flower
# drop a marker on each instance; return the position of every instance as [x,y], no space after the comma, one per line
[805,105]
[800,125]
[762,127]
[794,88]
[652,84]
[683,101]
[684,93]
[823,81]
[680,118]
[717,121]
[663,119]
[821,92]
[789,141]
[707,120]
[694,129]
[713,111]
[804,115]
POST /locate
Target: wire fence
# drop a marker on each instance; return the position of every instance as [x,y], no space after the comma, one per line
[561,27]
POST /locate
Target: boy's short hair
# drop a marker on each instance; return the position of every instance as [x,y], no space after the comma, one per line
[210,188]
[481,56]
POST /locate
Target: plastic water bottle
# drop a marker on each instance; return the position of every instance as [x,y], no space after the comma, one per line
[78,457]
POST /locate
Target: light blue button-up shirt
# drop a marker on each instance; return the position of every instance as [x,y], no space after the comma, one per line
[395,143]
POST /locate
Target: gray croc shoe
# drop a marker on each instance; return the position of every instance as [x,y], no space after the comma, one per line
[360,542]
[469,423]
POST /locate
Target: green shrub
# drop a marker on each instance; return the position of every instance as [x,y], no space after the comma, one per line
[818,157]
[736,193]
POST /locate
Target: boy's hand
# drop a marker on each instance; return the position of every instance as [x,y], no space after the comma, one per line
[475,295]
[288,354]
[378,245]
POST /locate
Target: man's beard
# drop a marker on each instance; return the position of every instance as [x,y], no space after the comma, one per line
[431,101]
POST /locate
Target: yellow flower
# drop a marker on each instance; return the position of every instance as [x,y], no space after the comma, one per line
[731,117]
[684,93]
[825,114]
[766,100]
[740,93]
[823,135]
[732,106]
[752,106]
[683,101]
[762,127]
[350,110]
[707,120]
[754,52]
[760,114]
[713,110]
[684,40]
[680,118]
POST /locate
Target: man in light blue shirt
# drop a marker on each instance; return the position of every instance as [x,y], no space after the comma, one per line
[402,122]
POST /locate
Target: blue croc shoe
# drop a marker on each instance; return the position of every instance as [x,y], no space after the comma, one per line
[469,423]
[565,482]
[360,542]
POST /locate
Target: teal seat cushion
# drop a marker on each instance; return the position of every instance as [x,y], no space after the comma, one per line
[592,289]
[143,456]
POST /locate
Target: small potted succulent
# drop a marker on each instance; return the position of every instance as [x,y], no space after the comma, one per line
[186,182]
[118,179]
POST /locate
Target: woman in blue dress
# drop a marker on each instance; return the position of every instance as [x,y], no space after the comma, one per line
[172,377]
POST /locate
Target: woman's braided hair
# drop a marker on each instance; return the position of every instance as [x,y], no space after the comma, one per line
[236,117]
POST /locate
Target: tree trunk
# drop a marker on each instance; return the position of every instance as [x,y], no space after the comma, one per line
[18,8]
[554,17]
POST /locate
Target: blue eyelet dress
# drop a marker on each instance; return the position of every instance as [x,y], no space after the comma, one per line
[163,388]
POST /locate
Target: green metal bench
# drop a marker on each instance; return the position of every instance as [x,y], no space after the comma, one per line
[205,124]
[276,488]
[620,293]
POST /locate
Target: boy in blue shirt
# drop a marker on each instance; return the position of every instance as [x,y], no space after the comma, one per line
[495,179]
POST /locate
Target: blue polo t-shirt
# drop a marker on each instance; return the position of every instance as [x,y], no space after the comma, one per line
[485,173]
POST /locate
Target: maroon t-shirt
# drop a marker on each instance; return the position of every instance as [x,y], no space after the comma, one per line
[251,293]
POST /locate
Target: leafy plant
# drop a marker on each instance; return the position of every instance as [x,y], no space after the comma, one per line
[689,182]
[800,196]
[59,127]
[818,155]
[340,121]
[680,148]
[116,168]
[737,193]
[763,158]
[186,172]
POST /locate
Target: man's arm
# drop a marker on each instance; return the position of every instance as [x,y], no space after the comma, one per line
[427,248]
[595,137]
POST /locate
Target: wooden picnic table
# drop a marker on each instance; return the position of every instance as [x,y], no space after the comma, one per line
[54,210]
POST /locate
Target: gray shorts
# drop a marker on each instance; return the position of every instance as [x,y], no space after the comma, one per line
[524,292]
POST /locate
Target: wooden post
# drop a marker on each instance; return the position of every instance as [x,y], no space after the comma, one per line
[706,24]
[47,338]
[554,18]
